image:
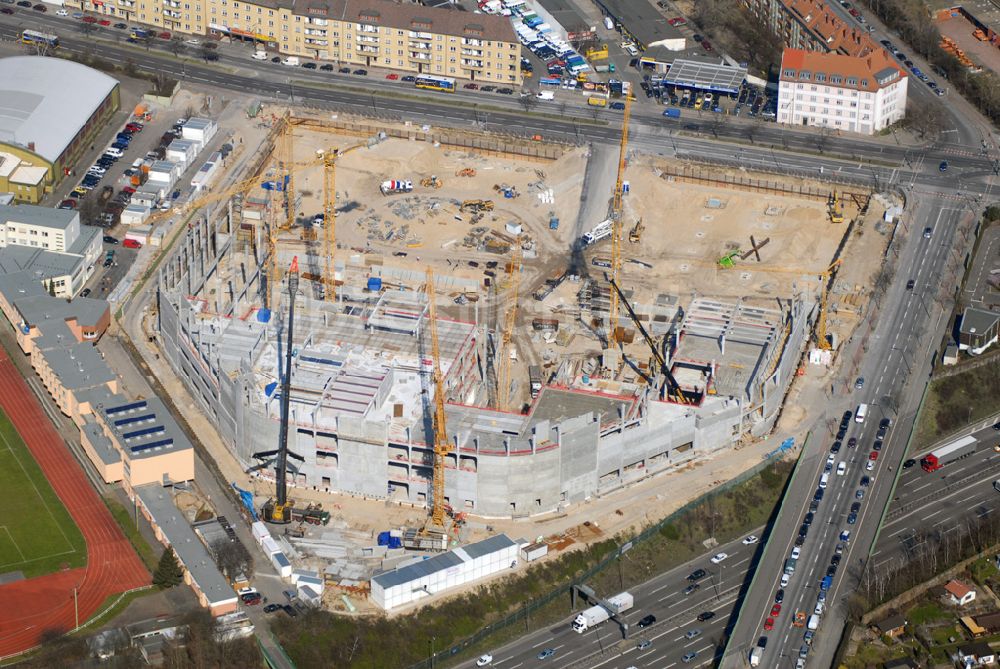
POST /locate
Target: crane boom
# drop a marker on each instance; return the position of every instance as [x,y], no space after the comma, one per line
[673,388]
[616,224]
[288,165]
[329,222]
[503,385]
[441,445]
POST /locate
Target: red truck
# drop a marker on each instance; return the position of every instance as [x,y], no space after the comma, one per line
[939,457]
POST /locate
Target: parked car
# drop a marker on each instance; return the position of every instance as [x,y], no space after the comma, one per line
[484,659]
[67,204]
[131,244]
[110,240]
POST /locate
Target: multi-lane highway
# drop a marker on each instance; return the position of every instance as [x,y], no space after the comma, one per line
[671,636]
[897,351]
[941,501]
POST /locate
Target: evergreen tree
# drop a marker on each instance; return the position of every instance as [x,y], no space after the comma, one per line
[52,287]
[168,572]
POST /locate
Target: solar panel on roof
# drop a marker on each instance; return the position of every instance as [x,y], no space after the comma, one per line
[153,444]
[143,432]
[133,419]
[141,404]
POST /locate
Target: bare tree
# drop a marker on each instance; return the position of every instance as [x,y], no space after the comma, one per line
[176,46]
[232,557]
[925,120]
[528,101]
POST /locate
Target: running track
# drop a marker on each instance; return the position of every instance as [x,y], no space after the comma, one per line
[43,606]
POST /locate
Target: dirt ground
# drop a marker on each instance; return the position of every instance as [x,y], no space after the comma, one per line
[958,28]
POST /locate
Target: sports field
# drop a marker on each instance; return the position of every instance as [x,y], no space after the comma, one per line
[37,534]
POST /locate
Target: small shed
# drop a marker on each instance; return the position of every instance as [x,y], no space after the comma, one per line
[134,214]
[281,564]
[164,172]
[532,552]
[892,627]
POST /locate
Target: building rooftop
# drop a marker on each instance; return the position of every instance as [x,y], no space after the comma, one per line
[87,311]
[144,427]
[102,445]
[643,20]
[86,237]
[978,321]
[20,283]
[78,365]
[45,217]
[44,264]
[47,101]
[442,561]
[705,75]
[405,17]
[190,551]
[957,588]
[867,73]
[557,404]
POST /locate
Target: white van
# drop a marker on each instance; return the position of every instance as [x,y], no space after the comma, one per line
[841,469]
[545,95]
[823,480]
[291,61]
[813,623]
[112,151]
[859,415]
[259,55]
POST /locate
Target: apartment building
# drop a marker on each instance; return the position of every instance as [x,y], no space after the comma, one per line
[369,33]
[811,25]
[854,94]
[51,243]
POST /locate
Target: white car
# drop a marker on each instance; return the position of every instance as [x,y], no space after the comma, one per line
[785,579]
[870,465]
[484,660]
[841,469]
[820,607]
[62,12]
[796,552]
[752,539]
[192,42]
[830,459]
[719,557]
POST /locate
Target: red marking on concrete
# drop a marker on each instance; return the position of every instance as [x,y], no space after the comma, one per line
[44,605]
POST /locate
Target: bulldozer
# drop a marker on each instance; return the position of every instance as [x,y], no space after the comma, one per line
[476,206]
[431,182]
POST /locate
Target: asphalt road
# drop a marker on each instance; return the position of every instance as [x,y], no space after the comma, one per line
[897,350]
[940,501]
[872,161]
[978,290]
[676,615]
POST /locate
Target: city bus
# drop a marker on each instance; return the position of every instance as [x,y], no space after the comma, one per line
[435,83]
[35,37]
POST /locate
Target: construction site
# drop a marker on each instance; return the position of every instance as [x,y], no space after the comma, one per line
[464,342]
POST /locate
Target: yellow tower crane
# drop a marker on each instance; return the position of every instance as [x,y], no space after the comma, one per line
[821,341]
[329,222]
[442,447]
[288,170]
[617,206]
[510,315]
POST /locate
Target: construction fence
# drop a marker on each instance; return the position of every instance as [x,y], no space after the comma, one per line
[716,175]
[493,144]
[523,615]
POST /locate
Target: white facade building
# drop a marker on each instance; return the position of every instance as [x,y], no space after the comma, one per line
[862,94]
[448,570]
[50,242]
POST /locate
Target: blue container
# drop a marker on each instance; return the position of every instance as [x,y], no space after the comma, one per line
[374,283]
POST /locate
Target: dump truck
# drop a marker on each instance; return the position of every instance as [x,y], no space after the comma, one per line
[312,514]
[535,377]
[596,615]
[393,186]
[939,457]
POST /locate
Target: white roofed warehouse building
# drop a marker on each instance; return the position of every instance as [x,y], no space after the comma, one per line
[863,94]
[429,577]
[50,110]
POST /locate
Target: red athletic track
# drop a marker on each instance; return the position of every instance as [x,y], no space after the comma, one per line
[44,605]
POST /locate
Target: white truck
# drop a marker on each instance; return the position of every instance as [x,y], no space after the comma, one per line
[755,656]
[596,615]
[600,231]
[392,186]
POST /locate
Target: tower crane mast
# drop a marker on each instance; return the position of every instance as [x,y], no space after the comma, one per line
[510,316]
[617,206]
[442,447]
